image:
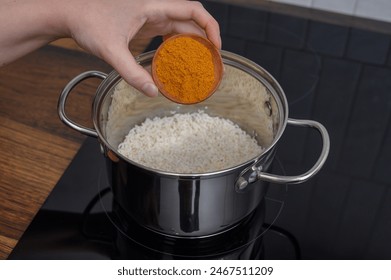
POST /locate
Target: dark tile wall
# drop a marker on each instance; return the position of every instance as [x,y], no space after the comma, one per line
[327,39]
[334,99]
[368,46]
[246,24]
[270,57]
[220,13]
[341,77]
[286,31]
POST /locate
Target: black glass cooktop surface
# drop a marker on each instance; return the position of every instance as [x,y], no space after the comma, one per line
[334,74]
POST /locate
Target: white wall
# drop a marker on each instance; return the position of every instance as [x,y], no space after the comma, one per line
[373,9]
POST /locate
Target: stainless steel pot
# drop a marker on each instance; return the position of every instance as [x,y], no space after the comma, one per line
[193,205]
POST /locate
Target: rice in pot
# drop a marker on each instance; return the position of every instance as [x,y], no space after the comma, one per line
[189,143]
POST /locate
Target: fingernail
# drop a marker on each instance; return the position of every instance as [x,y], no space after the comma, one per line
[150,90]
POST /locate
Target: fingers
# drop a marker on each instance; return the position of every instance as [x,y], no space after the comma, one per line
[191,10]
[124,63]
[186,27]
[159,17]
[209,24]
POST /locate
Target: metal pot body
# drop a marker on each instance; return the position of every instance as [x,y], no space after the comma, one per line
[184,207]
[193,205]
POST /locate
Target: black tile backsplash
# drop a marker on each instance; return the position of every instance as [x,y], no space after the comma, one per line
[366,46]
[286,31]
[270,57]
[327,38]
[219,12]
[299,77]
[246,23]
[335,93]
[234,44]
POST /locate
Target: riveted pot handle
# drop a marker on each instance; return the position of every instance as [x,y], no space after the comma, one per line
[315,168]
[63,98]
[257,174]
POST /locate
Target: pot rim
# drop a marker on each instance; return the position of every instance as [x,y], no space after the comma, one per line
[229,58]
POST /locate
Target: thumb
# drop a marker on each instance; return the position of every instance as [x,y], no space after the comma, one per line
[135,75]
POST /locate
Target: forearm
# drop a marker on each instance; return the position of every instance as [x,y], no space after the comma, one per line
[27,25]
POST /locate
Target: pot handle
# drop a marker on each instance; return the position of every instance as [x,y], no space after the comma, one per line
[257,174]
[63,98]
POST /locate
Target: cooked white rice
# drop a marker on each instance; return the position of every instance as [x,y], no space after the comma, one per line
[189,143]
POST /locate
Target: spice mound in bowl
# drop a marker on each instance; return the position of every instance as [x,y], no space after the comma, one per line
[187,68]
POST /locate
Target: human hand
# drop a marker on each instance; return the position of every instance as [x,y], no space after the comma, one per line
[105,29]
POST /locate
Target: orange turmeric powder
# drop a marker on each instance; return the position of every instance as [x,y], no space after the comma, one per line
[184,66]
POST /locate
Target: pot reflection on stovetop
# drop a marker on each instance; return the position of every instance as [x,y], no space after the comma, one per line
[135,242]
[245,241]
[131,240]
